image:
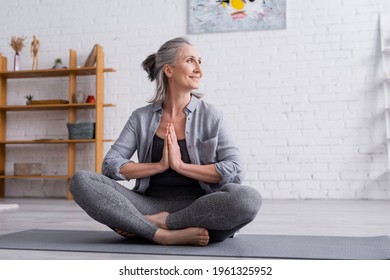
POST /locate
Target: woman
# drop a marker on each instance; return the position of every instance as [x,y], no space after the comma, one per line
[188,173]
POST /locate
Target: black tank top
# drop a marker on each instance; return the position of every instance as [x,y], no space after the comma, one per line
[170,183]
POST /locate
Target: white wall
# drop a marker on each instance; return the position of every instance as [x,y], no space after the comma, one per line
[305,103]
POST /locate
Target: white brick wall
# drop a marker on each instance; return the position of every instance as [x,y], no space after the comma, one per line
[305,103]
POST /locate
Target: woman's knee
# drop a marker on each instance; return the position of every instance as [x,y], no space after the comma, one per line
[252,201]
[247,201]
[79,181]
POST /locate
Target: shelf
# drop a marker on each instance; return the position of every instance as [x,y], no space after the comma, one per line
[52,141]
[35,177]
[44,107]
[50,73]
[96,72]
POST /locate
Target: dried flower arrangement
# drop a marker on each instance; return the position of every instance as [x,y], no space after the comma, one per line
[17,43]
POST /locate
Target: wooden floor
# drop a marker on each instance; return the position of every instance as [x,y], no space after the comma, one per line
[307,217]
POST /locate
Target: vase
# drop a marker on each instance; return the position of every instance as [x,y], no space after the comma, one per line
[91,99]
[79,97]
[58,65]
[16,62]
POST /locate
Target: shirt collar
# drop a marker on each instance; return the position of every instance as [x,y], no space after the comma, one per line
[193,104]
[157,106]
[190,107]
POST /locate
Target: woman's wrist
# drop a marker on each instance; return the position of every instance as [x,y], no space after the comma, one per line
[162,166]
[206,173]
[177,166]
[133,170]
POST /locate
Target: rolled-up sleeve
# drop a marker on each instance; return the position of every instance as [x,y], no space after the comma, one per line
[120,152]
[229,164]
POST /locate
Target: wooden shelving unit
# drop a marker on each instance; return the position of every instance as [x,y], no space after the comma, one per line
[71,73]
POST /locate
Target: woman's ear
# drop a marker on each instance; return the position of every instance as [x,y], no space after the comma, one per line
[167,70]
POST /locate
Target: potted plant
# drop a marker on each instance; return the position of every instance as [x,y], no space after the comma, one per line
[57,63]
[28,99]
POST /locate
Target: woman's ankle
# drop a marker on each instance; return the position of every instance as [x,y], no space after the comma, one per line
[159,219]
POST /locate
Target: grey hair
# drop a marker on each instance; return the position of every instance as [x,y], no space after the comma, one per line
[154,63]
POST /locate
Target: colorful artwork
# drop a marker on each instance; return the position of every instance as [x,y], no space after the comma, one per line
[236,15]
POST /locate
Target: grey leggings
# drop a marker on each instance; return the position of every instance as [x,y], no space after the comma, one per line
[108,202]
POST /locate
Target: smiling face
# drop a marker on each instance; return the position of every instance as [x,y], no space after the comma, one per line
[186,73]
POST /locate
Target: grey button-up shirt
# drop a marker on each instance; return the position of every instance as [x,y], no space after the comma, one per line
[207,138]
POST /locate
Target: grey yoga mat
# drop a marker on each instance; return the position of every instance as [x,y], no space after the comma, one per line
[242,246]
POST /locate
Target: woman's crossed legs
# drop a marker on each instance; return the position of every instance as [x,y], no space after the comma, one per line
[175,220]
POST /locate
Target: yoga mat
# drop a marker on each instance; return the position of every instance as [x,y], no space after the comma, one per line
[242,246]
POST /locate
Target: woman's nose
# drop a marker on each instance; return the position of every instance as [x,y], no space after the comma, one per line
[197,68]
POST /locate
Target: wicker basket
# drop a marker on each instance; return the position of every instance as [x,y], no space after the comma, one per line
[83,130]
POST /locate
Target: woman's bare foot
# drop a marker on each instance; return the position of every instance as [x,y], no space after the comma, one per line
[188,236]
[125,233]
[159,219]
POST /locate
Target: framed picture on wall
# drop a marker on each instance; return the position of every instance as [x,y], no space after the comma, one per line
[235,15]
